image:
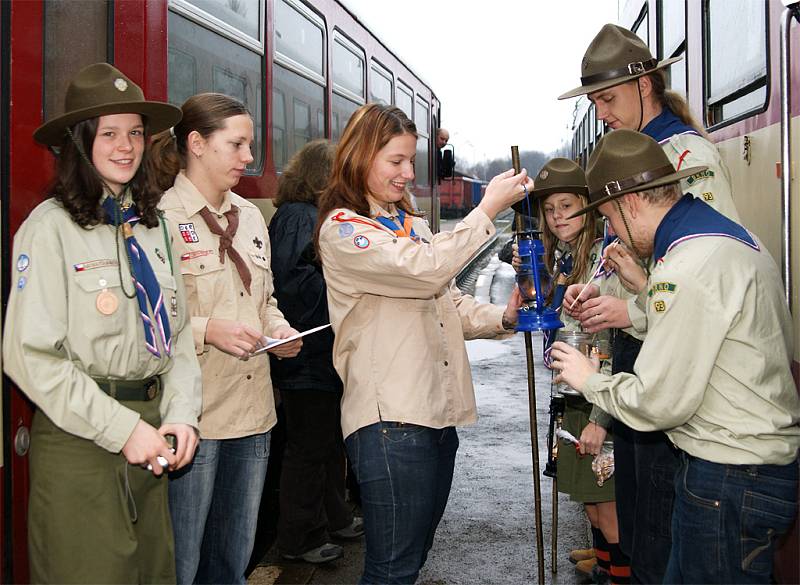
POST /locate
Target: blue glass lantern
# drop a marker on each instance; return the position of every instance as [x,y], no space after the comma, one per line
[533,315]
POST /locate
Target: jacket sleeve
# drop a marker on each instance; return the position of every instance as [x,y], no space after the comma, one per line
[367,259]
[182,399]
[34,352]
[479,320]
[671,375]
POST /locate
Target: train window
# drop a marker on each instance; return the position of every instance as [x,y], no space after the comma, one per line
[342,109]
[203,60]
[299,37]
[735,57]
[348,67]
[61,19]
[421,118]
[672,41]
[301,90]
[380,84]
[278,128]
[404,99]
[239,19]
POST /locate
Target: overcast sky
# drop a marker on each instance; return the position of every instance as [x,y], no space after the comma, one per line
[497,66]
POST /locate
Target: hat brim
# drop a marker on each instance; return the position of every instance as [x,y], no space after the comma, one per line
[666,180]
[535,196]
[605,84]
[160,116]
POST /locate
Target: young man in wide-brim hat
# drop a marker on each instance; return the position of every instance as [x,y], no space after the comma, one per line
[97,335]
[713,372]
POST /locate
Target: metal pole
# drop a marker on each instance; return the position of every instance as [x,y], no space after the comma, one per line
[554,530]
[786,148]
[537,492]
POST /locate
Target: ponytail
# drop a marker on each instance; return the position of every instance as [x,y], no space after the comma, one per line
[165,160]
[674,102]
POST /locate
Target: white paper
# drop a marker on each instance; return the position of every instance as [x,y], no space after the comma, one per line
[270,342]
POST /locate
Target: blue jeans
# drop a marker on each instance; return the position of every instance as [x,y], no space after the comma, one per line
[405,472]
[726,520]
[214,507]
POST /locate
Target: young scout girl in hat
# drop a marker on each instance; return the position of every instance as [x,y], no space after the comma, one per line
[628,88]
[97,337]
[400,326]
[223,248]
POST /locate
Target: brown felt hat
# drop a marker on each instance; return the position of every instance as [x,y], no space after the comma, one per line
[558,175]
[615,56]
[102,89]
[625,161]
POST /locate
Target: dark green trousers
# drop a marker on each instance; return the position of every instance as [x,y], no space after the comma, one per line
[93,518]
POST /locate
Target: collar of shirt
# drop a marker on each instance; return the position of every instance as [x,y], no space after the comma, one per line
[693,218]
[376,210]
[193,201]
[665,125]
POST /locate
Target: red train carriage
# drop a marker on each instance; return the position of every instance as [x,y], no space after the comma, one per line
[733,77]
[302,68]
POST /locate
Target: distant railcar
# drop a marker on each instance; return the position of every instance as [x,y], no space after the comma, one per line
[459,196]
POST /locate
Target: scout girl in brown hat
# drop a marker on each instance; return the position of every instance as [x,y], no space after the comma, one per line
[713,372]
[97,336]
[628,88]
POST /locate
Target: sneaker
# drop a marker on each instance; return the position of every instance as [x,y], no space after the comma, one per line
[322,554]
[581,554]
[353,530]
[585,566]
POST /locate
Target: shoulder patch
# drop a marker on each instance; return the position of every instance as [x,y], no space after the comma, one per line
[662,287]
[23,262]
[188,233]
[708,196]
[23,280]
[697,177]
[660,306]
[346,229]
[361,241]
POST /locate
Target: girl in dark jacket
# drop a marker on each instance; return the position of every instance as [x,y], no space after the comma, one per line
[312,504]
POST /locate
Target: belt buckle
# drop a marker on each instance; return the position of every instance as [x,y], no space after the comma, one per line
[152,389]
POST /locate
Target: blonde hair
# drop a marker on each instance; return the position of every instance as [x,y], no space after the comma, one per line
[673,101]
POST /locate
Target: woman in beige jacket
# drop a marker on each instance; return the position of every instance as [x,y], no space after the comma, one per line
[400,326]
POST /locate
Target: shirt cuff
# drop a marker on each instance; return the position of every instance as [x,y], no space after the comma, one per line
[637,315]
[119,430]
[600,417]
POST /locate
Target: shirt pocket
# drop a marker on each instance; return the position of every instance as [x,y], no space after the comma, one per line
[100,305]
[261,285]
[204,283]
[169,291]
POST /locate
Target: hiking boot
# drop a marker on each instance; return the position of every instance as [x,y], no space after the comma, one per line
[352,531]
[581,554]
[322,554]
[585,566]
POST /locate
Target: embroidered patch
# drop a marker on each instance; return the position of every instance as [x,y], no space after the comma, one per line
[346,230]
[21,282]
[23,262]
[692,179]
[196,254]
[544,174]
[258,242]
[662,287]
[92,264]
[660,306]
[708,196]
[188,233]
[361,242]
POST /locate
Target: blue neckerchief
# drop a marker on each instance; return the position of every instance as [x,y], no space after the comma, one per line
[693,218]
[666,125]
[401,215]
[144,280]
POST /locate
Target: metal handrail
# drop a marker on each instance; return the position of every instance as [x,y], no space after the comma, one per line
[792,11]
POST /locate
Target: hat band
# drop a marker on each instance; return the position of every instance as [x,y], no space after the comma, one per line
[614,187]
[630,69]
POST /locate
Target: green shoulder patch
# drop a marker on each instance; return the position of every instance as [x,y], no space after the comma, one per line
[659,287]
[692,179]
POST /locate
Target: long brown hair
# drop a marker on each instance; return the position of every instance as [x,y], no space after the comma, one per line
[581,249]
[673,101]
[307,173]
[370,128]
[204,113]
[78,186]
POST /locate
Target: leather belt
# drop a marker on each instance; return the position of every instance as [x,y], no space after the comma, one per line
[135,390]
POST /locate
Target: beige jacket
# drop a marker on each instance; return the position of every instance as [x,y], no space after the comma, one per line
[56,339]
[237,395]
[713,372]
[400,322]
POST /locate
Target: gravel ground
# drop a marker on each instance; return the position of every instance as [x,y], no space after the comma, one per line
[487,533]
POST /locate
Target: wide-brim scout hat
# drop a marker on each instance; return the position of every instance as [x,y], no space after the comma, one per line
[558,175]
[626,161]
[102,89]
[615,55]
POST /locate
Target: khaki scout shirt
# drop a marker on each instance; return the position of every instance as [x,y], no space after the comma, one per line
[56,340]
[237,395]
[714,370]
[399,320]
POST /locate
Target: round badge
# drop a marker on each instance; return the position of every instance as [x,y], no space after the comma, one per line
[23,262]
[543,175]
[106,302]
[21,282]
[120,84]
[361,242]
[346,229]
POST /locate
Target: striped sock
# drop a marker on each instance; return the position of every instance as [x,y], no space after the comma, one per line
[620,565]
[601,550]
